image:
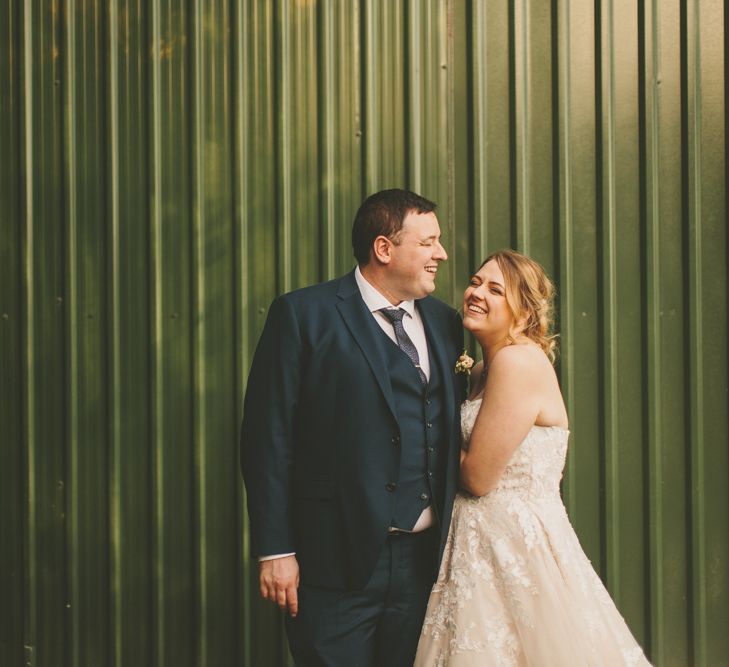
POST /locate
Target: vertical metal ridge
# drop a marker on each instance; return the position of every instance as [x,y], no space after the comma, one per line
[328,139]
[30,412]
[449,116]
[653,344]
[513,127]
[72,341]
[438,83]
[339,130]
[116,596]
[13,561]
[283,150]
[362,18]
[158,426]
[522,119]
[391,140]
[610,313]
[198,333]
[303,66]
[493,128]
[242,309]
[566,268]
[370,171]
[413,69]
[480,138]
[358,125]
[698,612]
[643,343]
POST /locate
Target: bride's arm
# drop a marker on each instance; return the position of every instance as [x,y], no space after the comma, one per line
[510,407]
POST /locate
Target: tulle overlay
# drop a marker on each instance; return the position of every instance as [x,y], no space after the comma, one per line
[515,587]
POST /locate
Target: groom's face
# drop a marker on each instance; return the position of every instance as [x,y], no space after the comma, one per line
[415,256]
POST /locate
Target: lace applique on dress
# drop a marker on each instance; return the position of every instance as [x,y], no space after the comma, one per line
[515,587]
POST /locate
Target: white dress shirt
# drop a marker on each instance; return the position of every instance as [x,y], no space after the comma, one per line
[412,322]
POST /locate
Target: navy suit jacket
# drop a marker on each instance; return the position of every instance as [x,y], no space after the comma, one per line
[319,421]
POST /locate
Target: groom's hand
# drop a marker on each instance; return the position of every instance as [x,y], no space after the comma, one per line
[279,580]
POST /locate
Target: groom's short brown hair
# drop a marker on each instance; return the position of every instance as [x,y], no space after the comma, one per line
[382,214]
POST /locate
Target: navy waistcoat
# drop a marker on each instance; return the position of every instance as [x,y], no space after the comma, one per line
[422,442]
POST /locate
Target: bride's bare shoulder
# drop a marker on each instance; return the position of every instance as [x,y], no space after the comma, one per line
[520,361]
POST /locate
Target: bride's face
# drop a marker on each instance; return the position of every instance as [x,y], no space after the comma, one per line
[486,312]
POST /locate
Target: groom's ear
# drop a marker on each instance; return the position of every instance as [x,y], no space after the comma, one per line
[382,250]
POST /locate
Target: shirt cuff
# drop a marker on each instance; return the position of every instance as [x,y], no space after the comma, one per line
[262,558]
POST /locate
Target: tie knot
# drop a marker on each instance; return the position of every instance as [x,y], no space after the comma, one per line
[393,314]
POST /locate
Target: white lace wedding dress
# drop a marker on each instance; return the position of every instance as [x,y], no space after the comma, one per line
[515,587]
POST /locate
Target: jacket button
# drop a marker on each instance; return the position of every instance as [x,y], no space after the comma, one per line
[391,486]
[431,449]
[430,473]
[423,496]
[427,401]
[396,440]
[429,425]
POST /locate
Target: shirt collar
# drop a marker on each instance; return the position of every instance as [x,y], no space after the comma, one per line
[374,300]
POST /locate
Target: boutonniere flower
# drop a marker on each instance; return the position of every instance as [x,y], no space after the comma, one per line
[464,364]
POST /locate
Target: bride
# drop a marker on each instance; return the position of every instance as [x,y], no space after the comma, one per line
[515,587]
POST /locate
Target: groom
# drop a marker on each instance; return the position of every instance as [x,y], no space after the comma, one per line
[350,443]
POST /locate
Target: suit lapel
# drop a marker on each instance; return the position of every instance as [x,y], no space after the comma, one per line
[362,326]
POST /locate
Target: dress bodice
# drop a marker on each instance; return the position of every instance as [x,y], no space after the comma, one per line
[535,469]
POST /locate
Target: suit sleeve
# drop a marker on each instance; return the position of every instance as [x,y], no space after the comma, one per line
[267,439]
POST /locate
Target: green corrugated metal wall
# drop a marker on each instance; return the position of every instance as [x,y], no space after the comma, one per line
[168,167]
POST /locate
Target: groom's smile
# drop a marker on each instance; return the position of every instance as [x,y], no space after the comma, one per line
[414,257]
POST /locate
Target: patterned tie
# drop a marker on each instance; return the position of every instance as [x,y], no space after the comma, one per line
[403,340]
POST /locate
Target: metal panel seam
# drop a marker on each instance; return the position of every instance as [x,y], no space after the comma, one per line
[566,302]
[652,341]
[72,352]
[609,315]
[30,412]
[114,314]
[695,337]
[158,428]
[242,308]
[198,234]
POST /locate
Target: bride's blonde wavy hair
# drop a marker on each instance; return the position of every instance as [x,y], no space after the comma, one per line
[530,297]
